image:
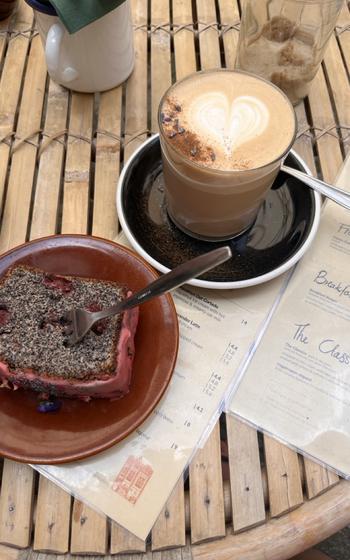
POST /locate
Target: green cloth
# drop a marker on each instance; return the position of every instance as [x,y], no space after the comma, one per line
[76,14]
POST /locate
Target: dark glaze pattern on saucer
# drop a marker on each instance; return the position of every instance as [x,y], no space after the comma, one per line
[282,225]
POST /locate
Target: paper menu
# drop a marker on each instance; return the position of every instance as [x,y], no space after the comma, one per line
[297,385]
[132,481]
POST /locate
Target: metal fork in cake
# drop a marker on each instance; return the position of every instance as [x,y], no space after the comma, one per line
[81,321]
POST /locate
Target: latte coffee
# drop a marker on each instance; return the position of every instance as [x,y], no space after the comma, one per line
[223,134]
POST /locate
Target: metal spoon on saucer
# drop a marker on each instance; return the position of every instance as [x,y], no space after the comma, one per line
[333,193]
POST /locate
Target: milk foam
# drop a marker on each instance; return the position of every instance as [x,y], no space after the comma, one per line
[228,120]
[230,123]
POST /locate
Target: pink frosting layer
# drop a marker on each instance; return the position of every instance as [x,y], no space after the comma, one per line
[114,386]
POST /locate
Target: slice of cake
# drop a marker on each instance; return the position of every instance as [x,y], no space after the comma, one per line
[33,336]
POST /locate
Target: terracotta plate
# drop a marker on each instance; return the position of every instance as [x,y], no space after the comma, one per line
[82,429]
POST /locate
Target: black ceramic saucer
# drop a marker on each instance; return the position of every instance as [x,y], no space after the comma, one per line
[285,227]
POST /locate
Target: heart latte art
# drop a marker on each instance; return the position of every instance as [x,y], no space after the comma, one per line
[227,120]
[231,124]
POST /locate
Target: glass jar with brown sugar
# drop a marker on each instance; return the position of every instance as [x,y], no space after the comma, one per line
[284,41]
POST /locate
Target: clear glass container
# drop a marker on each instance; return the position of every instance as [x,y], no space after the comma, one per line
[284,41]
[217,203]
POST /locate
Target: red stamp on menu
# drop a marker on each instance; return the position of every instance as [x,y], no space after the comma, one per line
[132,479]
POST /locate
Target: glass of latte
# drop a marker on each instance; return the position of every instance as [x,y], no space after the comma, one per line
[223,136]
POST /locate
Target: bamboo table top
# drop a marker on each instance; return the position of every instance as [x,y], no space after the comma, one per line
[246,496]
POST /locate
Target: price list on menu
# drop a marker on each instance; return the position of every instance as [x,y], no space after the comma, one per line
[132,481]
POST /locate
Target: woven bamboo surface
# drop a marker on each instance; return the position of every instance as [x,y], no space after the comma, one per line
[60,155]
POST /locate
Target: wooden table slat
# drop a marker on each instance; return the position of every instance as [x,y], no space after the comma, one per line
[123,541]
[206,491]
[52,519]
[9,553]
[11,84]
[328,146]
[78,163]
[229,16]
[16,504]
[209,47]
[343,33]
[184,43]
[318,479]
[247,495]
[304,141]
[105,219]
[160,57]
[19,193]
[170,528]
[284,480]
[49,179]
[3,43]
[338,77]
[136,119]
[89,532]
